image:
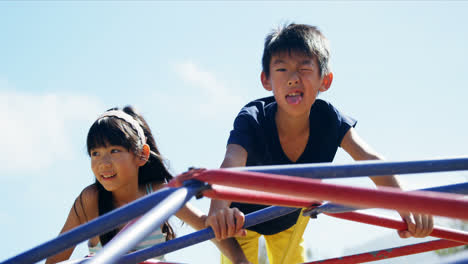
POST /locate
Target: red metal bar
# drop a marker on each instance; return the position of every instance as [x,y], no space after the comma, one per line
[390,252]
[442,204]
[249,196]
[378,220]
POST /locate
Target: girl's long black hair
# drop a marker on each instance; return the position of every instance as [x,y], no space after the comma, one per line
[115,131]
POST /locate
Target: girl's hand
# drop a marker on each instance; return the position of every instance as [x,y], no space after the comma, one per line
[227,222]
[179,180]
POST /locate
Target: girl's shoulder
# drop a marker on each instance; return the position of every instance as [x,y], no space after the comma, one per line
[86,204]
[90,193]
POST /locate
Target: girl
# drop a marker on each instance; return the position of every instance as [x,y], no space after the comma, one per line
[127,165]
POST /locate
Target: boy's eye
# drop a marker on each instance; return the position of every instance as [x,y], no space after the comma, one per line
[94,153]
[281,70]
[115,150]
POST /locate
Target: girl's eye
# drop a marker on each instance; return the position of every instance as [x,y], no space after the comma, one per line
[306,69]
[94,153]
[281,70]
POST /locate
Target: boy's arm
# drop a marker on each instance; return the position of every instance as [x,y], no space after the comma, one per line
[236,156]
[229,247]
[419,225]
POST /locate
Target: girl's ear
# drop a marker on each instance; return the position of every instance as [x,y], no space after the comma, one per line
[265,82]
[326,82]
[144,155]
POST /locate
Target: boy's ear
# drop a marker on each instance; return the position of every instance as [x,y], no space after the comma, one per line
[326,82]
[265,81]
[144,155]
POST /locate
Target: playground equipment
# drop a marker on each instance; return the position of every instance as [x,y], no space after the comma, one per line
[269,185]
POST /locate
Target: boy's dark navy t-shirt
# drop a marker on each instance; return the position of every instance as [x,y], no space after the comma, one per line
[255,130]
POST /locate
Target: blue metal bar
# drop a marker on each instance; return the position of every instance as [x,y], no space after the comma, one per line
[93,228]
[361,168]
[460,188]
[251,219]
[113,219]
[153,219]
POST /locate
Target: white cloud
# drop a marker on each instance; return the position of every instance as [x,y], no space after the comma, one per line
[214,98]
[38,129]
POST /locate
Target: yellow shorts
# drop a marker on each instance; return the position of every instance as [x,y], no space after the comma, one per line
[275,244]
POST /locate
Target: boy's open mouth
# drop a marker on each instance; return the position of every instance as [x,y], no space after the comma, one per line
[294,98]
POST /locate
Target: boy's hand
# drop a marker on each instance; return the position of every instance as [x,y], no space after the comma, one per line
[227,222]
[419,225]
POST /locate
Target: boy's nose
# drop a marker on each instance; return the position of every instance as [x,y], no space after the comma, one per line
[293,80]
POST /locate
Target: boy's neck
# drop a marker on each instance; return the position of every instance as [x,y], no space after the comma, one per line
[291,125]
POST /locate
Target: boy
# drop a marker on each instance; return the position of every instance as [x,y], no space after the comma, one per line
[292,127]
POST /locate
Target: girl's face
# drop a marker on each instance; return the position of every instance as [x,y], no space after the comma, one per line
[115,167]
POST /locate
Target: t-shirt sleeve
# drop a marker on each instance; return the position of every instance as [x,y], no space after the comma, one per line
[244,130]
[344,123]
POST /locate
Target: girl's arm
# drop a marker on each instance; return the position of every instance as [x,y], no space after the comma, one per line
[78,215]
[229,247]
[419,225]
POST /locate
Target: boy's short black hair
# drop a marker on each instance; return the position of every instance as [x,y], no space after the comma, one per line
[306,39]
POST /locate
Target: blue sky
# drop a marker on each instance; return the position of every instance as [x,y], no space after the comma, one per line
[400,69]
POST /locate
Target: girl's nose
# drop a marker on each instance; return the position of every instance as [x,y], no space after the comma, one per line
[106,160]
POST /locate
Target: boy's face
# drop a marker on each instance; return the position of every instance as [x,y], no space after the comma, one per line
[295,81]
